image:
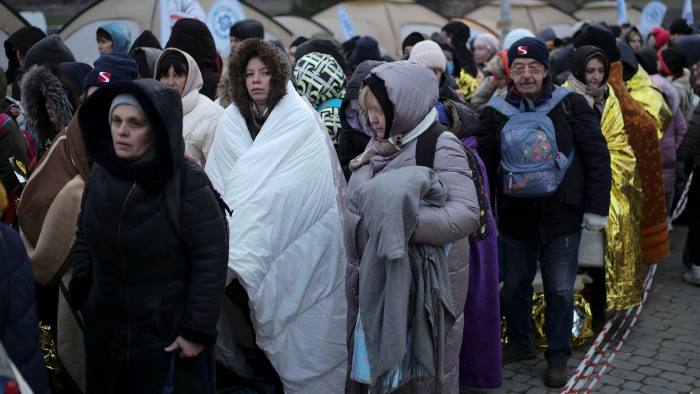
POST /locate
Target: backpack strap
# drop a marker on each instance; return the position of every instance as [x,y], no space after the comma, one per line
[502,106]
[330,103]
[426,145]
[5,297]
[558,94]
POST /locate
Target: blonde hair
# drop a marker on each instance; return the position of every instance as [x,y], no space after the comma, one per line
[367,99]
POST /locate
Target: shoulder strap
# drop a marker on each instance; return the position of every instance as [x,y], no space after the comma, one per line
[332,103]
[558,94]
[502,106]
[426,145]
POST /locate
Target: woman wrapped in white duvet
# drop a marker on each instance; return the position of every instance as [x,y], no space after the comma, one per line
[275,167]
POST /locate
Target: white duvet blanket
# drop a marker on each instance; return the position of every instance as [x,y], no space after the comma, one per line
[286,239]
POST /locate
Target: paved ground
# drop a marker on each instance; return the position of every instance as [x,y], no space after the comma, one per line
[661,354]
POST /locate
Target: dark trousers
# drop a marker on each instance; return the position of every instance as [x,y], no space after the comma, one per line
[558,260]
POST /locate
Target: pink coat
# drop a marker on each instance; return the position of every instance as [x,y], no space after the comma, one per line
[674,132]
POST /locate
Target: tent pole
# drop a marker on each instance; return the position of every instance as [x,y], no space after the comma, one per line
[505,21]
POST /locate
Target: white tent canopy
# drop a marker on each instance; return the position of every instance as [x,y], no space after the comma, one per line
[606,11]
[139,15]
[533,15]
[300,26]
[389,22]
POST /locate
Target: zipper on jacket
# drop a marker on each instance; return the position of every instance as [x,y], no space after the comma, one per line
[126,283]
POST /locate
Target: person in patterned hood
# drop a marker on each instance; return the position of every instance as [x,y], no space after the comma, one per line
[319,78]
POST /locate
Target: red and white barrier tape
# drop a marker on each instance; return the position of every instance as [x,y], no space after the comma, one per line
[585,376]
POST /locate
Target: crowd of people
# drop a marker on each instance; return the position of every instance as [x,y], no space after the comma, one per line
[325,218]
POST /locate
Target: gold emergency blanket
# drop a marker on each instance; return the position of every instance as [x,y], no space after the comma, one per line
[581,330]
[624,265]
[643,91]
[467,84]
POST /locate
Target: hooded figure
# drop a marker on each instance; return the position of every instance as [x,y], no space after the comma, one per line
[194,37]
[275,167]
[50,50]
[355,133]
[643,136]
[633,38]
[18,312]
[624,267]
[366,48]
[409,112]
[458,34]
[118,34]
[247,28]
[201,115]
[48,104]
[140,298]
[145,51]
[145,40]
[319,78]
[49,209]
[324,45]
[19,42]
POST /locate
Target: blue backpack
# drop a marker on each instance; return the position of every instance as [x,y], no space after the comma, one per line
[531,163]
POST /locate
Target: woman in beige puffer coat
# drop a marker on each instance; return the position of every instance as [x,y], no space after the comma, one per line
[406,111]
[179,70]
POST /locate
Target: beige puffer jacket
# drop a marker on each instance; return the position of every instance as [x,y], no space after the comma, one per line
[200,114]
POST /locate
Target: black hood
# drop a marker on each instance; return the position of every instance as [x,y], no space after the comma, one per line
[560,62]
[689,47]
[581,57]
[145,40]
[50,50]
[247,28]
[630,65]
[647,59]
[194,37]
[163,109]
[21,40]
[323,45]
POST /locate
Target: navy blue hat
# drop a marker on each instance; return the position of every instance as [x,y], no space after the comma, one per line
[529,48]
[366,48]
[110,68]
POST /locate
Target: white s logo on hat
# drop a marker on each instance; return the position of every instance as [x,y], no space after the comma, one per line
[522,50]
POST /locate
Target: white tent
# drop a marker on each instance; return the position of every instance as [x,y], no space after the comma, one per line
[139,15]
[10,22]
[533,15]
[300,26]
[606,11]
[389,22]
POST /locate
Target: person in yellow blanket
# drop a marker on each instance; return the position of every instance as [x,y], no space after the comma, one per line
[624,266]
[644,92]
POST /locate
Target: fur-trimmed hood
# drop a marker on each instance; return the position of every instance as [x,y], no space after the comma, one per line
[273,58]
[43,84]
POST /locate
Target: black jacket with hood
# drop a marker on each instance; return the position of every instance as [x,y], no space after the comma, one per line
[138,284]
[585,187]
[21,41]
[194,37]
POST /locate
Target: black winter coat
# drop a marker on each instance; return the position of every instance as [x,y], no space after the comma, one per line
[19,324]
[138,284]
[585,187]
